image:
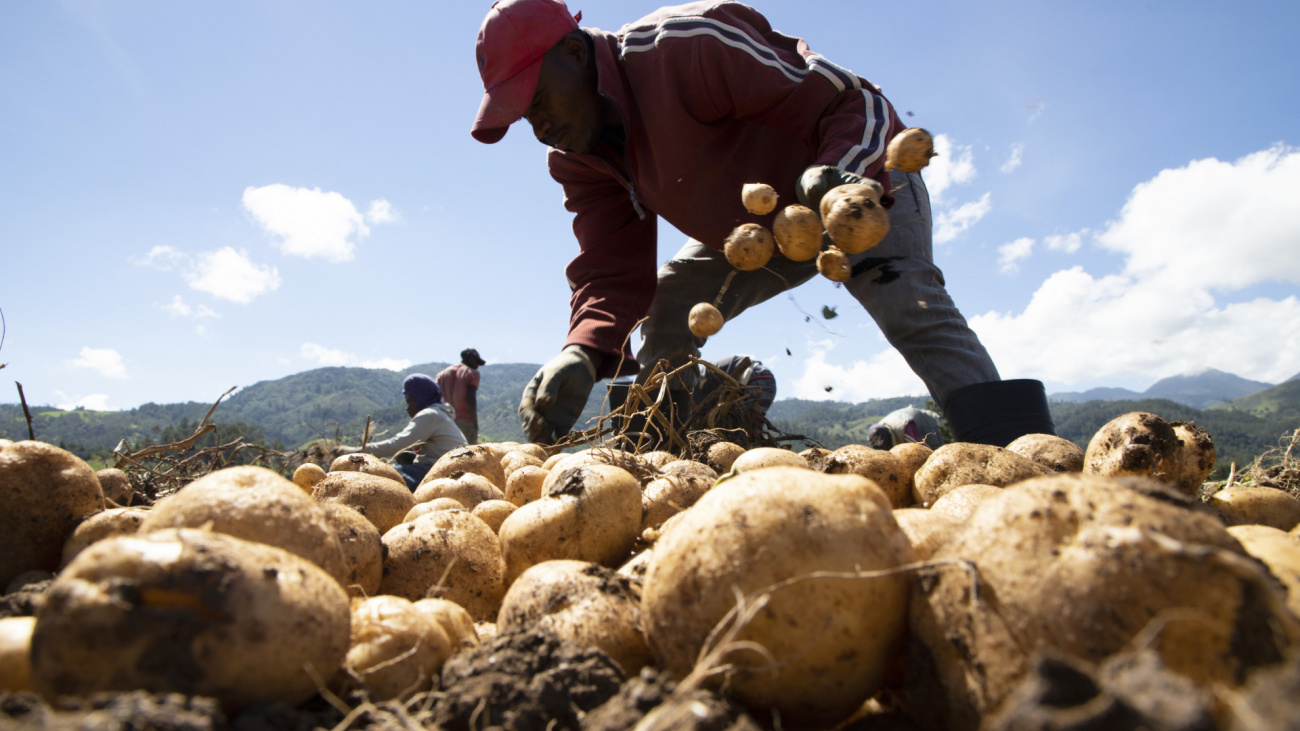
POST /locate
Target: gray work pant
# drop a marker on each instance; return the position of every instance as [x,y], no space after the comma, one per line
[896,281]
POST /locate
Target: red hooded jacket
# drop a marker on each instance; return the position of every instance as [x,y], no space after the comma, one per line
[711,98]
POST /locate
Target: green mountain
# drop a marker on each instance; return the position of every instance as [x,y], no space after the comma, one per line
[1279,402]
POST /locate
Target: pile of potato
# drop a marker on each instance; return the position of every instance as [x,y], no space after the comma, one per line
[806,585]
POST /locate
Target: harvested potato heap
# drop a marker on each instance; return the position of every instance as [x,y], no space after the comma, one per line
[966,463]
[1088,565]
[44,492]
[811,639]
[447,554]
[190,611]
[384,502]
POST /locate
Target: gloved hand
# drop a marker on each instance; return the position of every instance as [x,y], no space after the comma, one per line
[341,450]
[553,400]
[817,180]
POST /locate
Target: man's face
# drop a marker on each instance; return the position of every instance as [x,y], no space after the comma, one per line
[566,110]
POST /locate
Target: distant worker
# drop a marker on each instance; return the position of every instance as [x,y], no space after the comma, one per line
[431,432]
[908,424]
[459,385]
[754,377]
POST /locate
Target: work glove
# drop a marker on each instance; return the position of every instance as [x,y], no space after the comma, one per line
[818,180]
[553,400]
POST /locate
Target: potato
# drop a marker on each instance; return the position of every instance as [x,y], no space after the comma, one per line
[704,320]
[494,512]
[381,500]
[365,463]
[515,459]
[1280,551]
[828,641]
[363,552]
[885,469]
[433,506]
[116,486]
[396,650]
[193,612]
[798,232]
[1138,443]
[1050,451]
[536,450]
[855,223]
[834,265]
[307,475]
[15,653]
[524,485]
[475,458]
[658,458]
[467,488]
[634,568]
[592,515]
[965,463]
[1245,505]
[628,461]
[759,198]
[749,247]
[926,529]
[913,455]
[449,554]
[961,501]
[910,150]
[816,457]
[722,455]
[44,492]
[101,525]
[683,483]
[1197,458]
[1086,564]
[760,457]
[453,619]
[583,602]
[255,504]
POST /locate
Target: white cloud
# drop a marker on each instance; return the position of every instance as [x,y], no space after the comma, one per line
[311,223]
[205,311]
[952,223]
[954,165]
[1069,243]
[162,258]
[327,357]
[1009,254]
[886,374]
[106,361]
[381,211]
[90,402]
[1013,162]
[230,275]
[1189,234]
[177,307]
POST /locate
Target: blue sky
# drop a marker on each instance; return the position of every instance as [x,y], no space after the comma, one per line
[195,196]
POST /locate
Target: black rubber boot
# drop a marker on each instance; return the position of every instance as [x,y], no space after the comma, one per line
[998,412]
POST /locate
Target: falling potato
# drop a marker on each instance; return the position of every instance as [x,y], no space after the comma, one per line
[704,320]
[854,217]
[749,247]
[834,265]
[910,150]
[759,198]
[798,232]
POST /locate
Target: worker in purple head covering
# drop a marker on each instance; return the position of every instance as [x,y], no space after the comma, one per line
[431,432]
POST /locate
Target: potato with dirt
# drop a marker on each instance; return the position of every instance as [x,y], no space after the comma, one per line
[885,469]
[762,457]
[1248,505]
[524,485]
[802,548]
[478,459]
[366,463]
[396,650]
[382,501]
[493,512]
[116,486]
[681,484]
[758,198]
[190,611]
[749,247]
[101,525]
[1280,551]
[910,150]
[592,514]
[44,492]
[722,455]
[1054,453]
[798,232]
[966,463]
[1092,566]
[255,504]
[363,552]
[453,619]
[854,218]
[448,554]
[583,602]
[467,488]
[834,265]
[913,455]
[1137,444]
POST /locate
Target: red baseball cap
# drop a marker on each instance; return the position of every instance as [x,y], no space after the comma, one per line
[511,42]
